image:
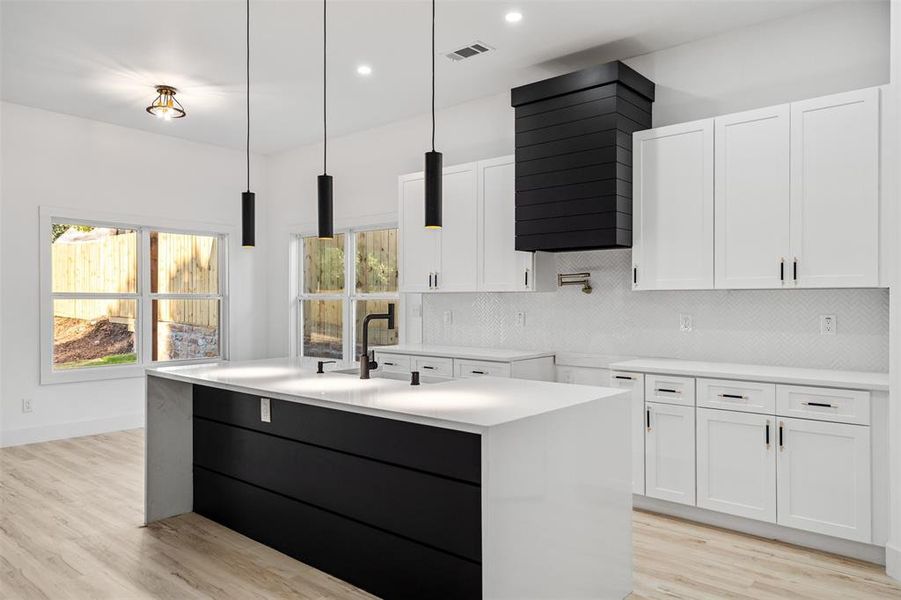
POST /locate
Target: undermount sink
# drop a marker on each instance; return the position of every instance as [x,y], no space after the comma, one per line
[423,379]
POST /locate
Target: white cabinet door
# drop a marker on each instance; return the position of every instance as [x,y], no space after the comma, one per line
[672,208]
[752,198]
[457,271]
[501,267]
[824,478]
[634,382]
[737,463]
[835,190]
[670,452]
[418,247]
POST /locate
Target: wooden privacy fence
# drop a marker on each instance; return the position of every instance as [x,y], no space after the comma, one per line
[180,264]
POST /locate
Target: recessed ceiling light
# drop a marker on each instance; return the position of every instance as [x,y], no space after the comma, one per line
[513,17]
[364,70]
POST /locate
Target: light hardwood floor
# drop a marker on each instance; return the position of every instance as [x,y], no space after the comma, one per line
[70,514]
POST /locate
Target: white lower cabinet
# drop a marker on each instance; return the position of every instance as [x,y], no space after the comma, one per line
[824,478]
[634,382]
[670,452]
[736,466]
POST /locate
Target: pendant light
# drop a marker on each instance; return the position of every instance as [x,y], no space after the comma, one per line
[433,160]
[326,227]
[248,198]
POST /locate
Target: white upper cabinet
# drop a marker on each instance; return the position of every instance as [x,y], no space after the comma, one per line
[752,199]
[501,267]
[781,197]
[672,207]
[418,247]
[835,190]
[459,254]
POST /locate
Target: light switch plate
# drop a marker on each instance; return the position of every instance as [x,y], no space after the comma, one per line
[448,317]
[520,319]
[685,323]
[265,411]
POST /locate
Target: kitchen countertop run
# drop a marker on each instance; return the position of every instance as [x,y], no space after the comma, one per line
[466,404]
[863,380]
[465,352]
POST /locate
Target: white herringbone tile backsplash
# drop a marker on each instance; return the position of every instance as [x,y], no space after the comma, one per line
[773,327]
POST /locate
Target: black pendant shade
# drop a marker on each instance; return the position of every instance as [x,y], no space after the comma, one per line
[433,189]
[326,228]
[248,198]
[433,159]
[248,219]
[324,181]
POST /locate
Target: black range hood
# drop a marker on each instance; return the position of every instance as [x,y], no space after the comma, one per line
[574,158]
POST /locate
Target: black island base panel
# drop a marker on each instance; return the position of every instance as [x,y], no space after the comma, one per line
[391,507]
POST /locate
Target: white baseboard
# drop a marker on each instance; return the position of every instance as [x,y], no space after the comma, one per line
[59,431]
[817,541]
[893,561]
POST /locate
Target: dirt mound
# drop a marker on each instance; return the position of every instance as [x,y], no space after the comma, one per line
[77,339]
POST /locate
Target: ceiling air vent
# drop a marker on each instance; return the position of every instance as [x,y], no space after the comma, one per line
[474,49]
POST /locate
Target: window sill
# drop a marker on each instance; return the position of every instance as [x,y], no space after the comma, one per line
[51,377]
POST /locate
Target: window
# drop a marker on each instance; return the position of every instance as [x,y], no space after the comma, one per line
[341,281]
[123,296]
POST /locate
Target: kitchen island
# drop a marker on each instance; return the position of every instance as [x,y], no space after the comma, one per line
[475,488]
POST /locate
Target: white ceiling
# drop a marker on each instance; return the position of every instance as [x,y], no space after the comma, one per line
[100,60]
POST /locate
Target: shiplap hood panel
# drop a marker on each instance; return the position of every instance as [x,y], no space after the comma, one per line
[574,158]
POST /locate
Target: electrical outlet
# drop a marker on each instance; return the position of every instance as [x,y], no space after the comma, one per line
[265,411]
[827,325]
[520,319]
[448,317]
[685,323]
[26,405]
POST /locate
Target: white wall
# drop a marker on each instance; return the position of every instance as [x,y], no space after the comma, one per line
[828,50]
[56,160]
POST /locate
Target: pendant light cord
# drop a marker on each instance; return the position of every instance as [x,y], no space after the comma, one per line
[248,94]
[324,84]
[433,75]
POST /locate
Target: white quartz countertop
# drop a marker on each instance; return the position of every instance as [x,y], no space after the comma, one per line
[864,380]
[468,404]
[466,352]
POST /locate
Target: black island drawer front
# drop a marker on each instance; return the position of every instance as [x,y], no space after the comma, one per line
[379,562]
[434,510]
[446,452]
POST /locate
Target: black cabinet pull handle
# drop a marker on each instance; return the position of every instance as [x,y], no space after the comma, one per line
[768,433]
[527,278]
[667,390]
[430,281]
[635,275]
[389,364]
[823,404]
[781,427]
[781,269]
[795,269]
[436,280]
[734,396]
[427,367]
[623,377]
[478,372]
[647,416]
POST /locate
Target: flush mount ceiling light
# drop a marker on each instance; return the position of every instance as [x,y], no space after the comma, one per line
[324,181]
[165,106]
[433,159]
[364,70]
[248,198]
[513,17]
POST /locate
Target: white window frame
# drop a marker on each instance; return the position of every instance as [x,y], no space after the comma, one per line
[349,296]
[142,295]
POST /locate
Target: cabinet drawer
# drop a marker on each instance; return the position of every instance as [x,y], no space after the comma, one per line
[744,396]
[668,389]
[823,404]
[447,452]
[393,363]
[474,368]
[431,365]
